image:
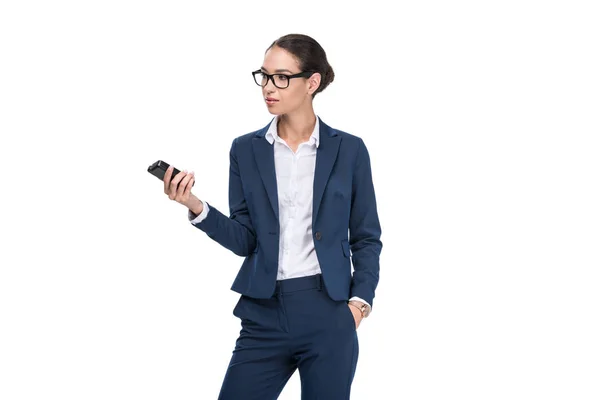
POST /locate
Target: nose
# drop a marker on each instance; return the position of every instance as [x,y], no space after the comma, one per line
[272,83]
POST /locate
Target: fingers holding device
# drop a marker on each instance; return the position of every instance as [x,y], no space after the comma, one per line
[177,184]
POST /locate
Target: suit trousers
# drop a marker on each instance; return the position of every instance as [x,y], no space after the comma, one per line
[299,327]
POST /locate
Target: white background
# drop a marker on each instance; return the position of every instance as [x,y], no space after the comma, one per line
[482,122]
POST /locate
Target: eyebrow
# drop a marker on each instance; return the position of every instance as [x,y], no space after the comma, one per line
[277,70]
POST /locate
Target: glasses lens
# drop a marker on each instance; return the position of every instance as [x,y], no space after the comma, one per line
[281,81]
[260,78]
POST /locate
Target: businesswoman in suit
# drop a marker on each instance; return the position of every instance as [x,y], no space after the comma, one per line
[302,207]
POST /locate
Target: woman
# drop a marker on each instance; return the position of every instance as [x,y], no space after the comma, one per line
[301,201]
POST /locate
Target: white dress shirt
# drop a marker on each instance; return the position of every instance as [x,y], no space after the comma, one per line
[295,176]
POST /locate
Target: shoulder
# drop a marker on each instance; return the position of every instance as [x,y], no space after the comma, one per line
[246,138]
[349,141]
[348,137]
[245,141]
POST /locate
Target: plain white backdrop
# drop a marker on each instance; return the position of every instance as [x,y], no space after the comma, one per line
[482,122]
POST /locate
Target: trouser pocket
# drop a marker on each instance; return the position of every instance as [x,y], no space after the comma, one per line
[349,315]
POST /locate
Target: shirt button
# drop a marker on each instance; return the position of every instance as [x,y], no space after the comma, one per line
[318,235]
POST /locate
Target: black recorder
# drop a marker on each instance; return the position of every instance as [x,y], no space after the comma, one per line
[159,168]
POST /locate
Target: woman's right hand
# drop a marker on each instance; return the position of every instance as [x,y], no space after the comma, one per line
[179,188]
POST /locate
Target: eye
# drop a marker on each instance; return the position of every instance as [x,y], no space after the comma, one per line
[282,78]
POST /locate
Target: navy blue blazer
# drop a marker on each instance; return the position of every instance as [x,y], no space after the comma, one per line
[343,201]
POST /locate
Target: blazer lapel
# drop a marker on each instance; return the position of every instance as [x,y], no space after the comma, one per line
[329,144]
[265,159]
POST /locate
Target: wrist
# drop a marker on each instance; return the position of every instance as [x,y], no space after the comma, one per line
[197,207]
[362,307]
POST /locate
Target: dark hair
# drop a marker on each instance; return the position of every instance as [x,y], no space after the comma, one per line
[310,56]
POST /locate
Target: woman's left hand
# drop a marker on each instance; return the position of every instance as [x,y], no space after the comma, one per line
[357,315]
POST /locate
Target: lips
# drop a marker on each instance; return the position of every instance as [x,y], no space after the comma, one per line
[271,99]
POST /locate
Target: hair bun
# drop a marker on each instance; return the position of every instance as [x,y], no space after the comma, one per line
[329,75]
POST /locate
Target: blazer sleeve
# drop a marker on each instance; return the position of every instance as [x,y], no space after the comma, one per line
[235,232]
[365,230]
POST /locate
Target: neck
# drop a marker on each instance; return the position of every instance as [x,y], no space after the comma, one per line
[296,126]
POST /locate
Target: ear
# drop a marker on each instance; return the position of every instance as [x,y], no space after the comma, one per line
[314,81]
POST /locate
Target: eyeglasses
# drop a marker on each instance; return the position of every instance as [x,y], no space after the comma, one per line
[281,81]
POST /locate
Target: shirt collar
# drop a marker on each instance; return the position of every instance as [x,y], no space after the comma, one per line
[272,134]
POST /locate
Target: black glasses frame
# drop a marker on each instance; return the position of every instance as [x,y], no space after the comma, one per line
[304,74]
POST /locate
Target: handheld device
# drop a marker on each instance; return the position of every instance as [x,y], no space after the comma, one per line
[159,168]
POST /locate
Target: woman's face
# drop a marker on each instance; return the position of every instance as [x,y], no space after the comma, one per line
[278,60]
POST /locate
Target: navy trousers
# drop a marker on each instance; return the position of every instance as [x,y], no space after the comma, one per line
[299,327]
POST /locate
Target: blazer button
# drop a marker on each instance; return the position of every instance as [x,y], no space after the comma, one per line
[318,235]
